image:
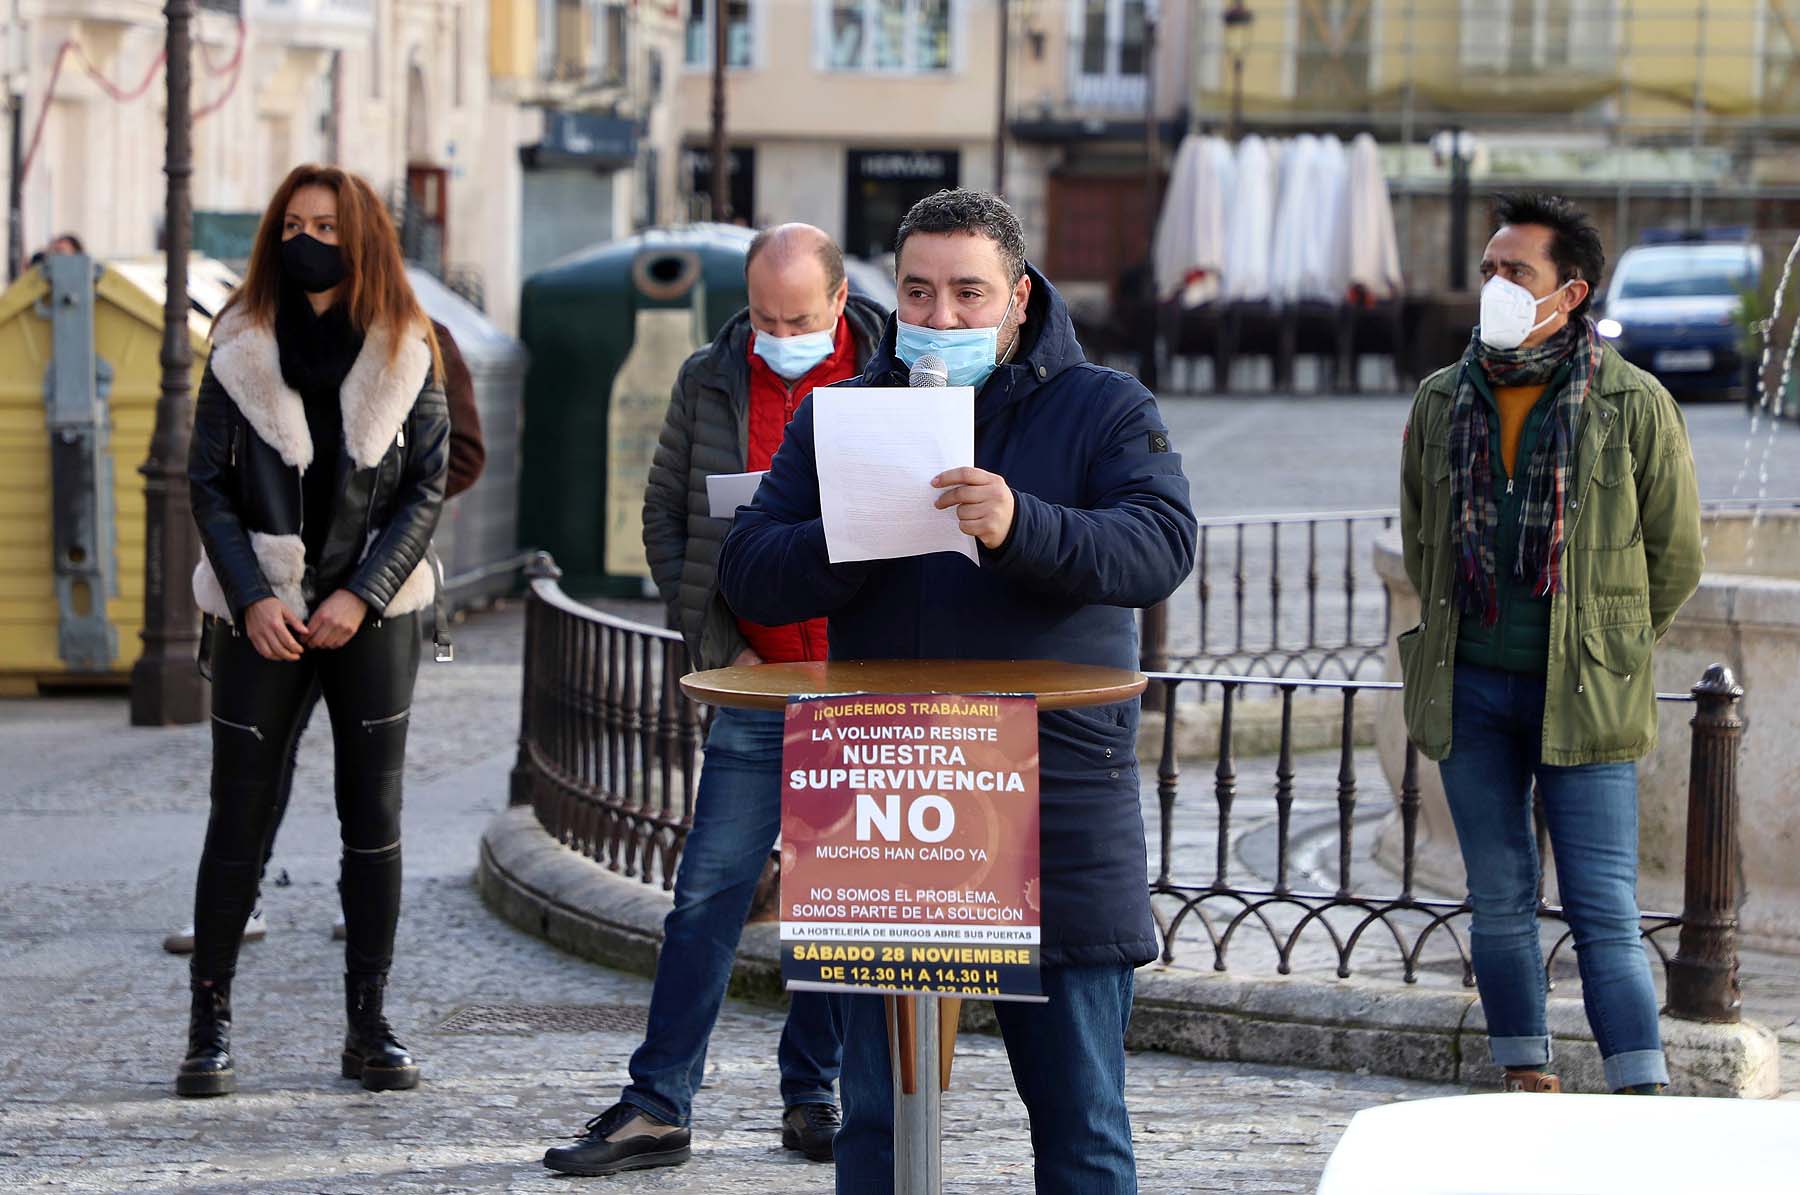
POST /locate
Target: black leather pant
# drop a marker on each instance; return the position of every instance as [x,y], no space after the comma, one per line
[285,786]
[259,708]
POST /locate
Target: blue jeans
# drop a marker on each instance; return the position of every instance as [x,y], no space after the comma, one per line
[737,816]
[1068,1063]
[1497,722]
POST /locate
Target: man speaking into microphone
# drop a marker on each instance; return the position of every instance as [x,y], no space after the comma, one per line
[1080,511]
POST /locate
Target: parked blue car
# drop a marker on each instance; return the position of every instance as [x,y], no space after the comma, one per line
[1672,308]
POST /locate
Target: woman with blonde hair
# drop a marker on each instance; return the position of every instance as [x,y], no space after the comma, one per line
[317,473]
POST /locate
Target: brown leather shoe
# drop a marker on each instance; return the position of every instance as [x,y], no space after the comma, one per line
[1534,1081]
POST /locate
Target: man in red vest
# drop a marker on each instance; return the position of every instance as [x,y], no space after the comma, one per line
[731,404]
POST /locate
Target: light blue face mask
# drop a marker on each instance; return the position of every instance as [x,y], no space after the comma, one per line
[970,354]
[793,357]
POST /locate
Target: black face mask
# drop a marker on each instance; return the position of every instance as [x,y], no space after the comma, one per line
[311,264]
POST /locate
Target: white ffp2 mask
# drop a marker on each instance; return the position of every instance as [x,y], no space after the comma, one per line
[1508,311]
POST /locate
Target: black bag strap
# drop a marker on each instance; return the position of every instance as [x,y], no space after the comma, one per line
[443,649]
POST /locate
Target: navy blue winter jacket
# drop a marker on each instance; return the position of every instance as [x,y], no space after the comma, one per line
[1102,525]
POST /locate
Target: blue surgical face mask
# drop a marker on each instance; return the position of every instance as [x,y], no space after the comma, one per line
[970,354]
[793,357]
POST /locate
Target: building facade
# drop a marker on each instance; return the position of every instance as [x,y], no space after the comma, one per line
[502,133]
[841,113]
[393,90]
[594,147]
[1652,113]
[1093,86]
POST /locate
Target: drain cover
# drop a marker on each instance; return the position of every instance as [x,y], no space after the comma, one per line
[524,1019]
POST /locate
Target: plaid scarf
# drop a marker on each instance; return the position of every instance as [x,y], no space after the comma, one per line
[1547,476]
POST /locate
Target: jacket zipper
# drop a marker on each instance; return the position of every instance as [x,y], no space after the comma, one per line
[300,492]
[369,512]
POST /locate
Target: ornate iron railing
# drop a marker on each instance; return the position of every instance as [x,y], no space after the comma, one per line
[1343,912]
[1283,595]
[1294,595]
[609,757]
[608,743]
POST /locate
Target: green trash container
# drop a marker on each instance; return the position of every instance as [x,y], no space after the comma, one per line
[607,330]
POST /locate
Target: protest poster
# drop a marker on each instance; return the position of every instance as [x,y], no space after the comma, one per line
[909,845]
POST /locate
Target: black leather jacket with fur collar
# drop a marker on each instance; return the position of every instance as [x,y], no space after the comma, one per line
[251,446]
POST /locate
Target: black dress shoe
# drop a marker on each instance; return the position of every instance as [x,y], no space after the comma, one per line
[810,1129]
[371,1051]
[207,1068]
[593,1154]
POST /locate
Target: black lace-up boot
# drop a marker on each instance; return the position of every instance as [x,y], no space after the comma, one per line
[371,1052]
[207,1068]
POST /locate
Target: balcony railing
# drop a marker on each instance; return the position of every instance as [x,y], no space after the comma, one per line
[1101,81]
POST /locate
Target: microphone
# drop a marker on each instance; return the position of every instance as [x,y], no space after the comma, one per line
[929,371]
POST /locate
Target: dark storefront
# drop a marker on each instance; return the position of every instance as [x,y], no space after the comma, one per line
[740,168]
[567,185]
[882,185]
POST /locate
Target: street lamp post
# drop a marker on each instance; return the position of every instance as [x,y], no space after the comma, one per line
[1238,19]
[1152,195]
[1000,115]
[721,167]
[1153,649]
[166,688]
[1457,148]
[15,118]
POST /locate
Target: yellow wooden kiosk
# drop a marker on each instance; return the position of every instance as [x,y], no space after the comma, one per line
[127,306]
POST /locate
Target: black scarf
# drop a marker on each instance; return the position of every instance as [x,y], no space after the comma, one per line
[317,352]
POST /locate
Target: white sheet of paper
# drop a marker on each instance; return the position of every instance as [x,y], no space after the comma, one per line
[725,492]
[877,450]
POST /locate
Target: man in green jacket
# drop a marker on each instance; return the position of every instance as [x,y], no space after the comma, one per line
[1551,526]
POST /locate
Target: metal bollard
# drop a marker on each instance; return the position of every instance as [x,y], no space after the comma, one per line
[1153,650]
[1703,976]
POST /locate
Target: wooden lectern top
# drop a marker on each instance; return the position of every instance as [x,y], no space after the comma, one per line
[1057,686]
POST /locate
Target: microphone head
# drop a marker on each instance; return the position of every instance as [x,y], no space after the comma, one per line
[929,370]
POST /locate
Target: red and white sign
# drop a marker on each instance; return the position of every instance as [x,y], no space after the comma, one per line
[909,845]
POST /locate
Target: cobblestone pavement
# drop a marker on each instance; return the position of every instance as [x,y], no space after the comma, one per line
[103,824]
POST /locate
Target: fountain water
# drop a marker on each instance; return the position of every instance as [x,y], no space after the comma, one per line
[1768,406]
